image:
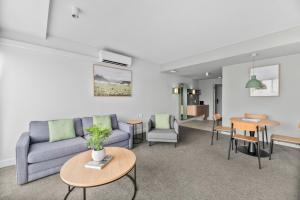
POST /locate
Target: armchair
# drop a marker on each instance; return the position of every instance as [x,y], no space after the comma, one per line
[163,135]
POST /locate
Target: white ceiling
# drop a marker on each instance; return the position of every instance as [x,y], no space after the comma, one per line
[197,71]
[29,17]
[154,30]
[163,31]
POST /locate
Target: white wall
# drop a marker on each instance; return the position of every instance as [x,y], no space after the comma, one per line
[41,84]
[285,108]
[207,93]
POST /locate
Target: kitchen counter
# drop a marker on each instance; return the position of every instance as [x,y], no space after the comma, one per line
[198,110]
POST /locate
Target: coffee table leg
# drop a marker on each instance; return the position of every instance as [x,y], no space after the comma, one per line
[133,179]
[70,189]
[84,194]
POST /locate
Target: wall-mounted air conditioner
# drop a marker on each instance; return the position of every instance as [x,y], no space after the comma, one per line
[114,58]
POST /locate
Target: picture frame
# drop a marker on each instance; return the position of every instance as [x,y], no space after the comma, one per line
[111,81]
[270,77]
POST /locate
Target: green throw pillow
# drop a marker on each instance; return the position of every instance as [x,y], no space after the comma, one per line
[61,129]
[162,121]
[103,121]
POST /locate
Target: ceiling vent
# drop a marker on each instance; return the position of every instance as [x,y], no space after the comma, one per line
[114,58]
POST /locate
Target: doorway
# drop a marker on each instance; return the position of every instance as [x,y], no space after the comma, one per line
[218,98]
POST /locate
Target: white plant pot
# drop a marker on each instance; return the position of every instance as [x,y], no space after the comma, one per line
[98,155]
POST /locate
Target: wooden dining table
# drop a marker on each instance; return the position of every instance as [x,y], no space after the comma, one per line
[250,149]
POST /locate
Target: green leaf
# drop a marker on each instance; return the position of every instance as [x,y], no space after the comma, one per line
[97,137]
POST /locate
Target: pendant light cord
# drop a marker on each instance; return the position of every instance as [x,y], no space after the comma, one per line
[253,60]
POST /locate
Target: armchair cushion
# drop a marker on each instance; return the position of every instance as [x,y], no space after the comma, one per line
[162,121]
[151,123]
[162,135]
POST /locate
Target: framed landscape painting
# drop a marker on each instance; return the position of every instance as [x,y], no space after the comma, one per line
[109,81]
[269,76]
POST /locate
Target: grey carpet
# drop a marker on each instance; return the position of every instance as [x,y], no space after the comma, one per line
[198,124]
[194,170]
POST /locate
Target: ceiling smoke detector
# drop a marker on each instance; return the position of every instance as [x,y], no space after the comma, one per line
[75,12]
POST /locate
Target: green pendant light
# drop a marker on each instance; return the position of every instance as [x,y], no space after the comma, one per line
[254,82]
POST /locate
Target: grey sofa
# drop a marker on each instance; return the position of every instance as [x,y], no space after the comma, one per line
[36,157]
[163,135]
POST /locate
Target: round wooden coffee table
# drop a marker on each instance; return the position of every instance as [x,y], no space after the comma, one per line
[75,175]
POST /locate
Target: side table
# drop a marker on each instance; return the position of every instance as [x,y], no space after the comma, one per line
[134,123]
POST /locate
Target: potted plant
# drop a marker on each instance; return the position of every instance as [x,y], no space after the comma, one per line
[97,136]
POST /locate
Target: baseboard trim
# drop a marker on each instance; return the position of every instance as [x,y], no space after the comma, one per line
[7,162]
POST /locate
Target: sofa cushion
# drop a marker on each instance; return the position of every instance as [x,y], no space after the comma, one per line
[114,121]
[48,164]
[39,131]
[78,127]
[103,121]
[87,122]
[116,136]
[44,151]
[61,129]
[163,134]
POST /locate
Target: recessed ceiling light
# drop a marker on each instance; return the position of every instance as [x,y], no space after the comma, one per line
[173,71]
[206,73]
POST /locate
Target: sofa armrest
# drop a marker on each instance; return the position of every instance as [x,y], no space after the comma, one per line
[22,148]
[176,127]
[149,125]
[128,128]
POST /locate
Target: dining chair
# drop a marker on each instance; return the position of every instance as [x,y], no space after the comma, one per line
[217,127]
[264,129]
[234,136]
[282,138]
